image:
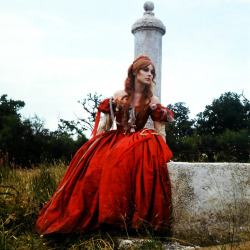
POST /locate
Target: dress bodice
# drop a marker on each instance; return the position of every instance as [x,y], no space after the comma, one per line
[137,117]
[138,123]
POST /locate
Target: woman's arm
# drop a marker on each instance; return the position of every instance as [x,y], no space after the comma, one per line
[105,124]
[159,126]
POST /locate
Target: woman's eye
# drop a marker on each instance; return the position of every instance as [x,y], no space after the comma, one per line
[146,69]
[152,72]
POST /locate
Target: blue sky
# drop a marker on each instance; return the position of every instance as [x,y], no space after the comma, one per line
[52,53]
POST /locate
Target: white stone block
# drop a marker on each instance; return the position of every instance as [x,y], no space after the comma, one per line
[210,200]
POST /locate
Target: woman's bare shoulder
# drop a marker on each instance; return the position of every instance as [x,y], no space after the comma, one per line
[155,99]
[120,93]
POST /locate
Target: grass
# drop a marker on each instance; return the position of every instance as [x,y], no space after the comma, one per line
[22,194]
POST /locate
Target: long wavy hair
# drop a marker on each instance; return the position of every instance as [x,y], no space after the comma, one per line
[141,62]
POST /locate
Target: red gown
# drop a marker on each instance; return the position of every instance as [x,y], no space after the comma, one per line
[118,177]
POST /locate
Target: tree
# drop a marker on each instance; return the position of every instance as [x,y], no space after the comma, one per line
[10,107]
[182,126]
[28,142]
[177,131]
[222,129]
[12,130]
[90,106]
[230,111]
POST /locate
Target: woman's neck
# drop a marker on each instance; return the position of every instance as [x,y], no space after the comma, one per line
[139,88]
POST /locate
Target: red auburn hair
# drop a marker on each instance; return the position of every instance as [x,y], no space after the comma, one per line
[139,63]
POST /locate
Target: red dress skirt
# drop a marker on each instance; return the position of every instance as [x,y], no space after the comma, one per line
[115,178]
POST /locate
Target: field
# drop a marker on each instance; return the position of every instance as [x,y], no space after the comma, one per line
[22,194]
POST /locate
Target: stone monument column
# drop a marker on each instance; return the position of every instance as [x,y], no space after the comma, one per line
[148,32]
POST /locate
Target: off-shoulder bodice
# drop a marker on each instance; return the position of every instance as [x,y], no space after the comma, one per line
[157,112]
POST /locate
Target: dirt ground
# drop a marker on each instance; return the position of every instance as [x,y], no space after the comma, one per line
[234,246]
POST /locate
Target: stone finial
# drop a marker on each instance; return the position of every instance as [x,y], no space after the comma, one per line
[148,6]
[148,21]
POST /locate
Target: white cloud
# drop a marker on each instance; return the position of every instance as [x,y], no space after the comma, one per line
[51,86]
[18,37]
[52,19]
[197,82]
[190,3]
[51,58]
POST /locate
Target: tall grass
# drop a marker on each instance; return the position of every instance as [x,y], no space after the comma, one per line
[23,192]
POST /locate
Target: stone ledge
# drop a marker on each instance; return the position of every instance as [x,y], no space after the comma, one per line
[210,201]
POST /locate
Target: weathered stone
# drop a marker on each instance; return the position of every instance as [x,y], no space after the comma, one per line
[137,243]
[210,201]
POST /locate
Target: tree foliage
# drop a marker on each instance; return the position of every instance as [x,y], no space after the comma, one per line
[230,111]
[87,121]
[181,128]
[27,141]
[220,132]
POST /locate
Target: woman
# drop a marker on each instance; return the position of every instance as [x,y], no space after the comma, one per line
[119,177]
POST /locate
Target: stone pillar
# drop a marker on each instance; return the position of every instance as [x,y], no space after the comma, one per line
[148,32]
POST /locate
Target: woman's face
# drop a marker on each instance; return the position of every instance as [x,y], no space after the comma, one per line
[145,75]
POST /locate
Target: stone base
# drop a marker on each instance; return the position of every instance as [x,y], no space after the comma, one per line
[210,201]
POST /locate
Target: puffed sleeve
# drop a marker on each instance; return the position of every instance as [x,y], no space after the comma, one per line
[107,106]
[104,106]
[161,114]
